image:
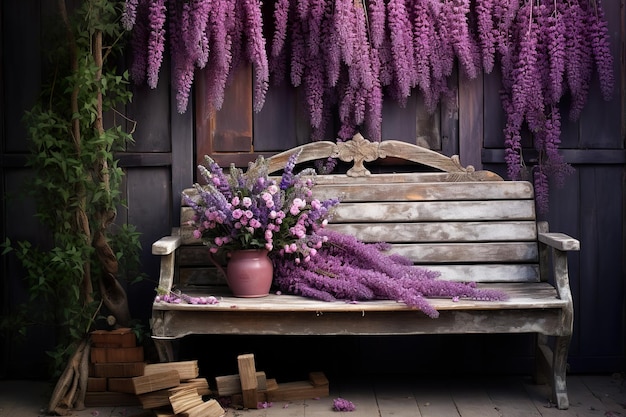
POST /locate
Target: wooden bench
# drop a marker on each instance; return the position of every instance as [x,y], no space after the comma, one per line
[468,225]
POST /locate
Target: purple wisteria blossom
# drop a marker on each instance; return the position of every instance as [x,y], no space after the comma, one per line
[281,18]
[601,48]
[129,15]
[253,28]
[156,40]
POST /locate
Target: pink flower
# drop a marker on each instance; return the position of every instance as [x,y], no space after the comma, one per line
[247,202]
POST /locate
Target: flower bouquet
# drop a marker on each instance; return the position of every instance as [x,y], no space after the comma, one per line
[251,210]
[248,215]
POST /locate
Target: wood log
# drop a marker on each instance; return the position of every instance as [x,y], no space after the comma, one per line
[247,374]
[115,299]
[231,384]
[66,379]
[155,382]
[186,369]
[83,379]
[184,400]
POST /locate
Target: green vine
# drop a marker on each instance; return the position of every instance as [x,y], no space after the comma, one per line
[76,180]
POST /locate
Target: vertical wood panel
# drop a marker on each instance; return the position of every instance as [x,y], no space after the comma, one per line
[22,79]
[149,209]
[278,126]
[601,286]
[471,121]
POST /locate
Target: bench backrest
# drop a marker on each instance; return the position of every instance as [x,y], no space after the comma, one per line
[470,226]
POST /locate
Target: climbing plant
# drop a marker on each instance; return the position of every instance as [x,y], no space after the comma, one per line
[75,178]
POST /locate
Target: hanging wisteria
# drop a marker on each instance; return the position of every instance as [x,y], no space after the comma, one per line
[547,49]
[216,35]
[347,55]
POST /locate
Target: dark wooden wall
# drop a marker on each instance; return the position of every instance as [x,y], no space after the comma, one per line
[168,145]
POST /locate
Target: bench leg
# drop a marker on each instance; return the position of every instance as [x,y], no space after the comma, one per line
[165,349]
[559,370]
[551,367]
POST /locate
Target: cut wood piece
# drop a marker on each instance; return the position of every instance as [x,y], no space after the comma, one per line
[186,369]
[117,370]
[247,374]
[231,384]
[110,399]
[299,390]
[237,399]
[318,379]
[155,382]
[161,398]
[122,337]
[209,408]
[200,384]
[156,399]
[95,384]
[117,354]
[185,400]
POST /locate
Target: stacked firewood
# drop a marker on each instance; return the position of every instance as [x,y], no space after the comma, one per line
[117,375]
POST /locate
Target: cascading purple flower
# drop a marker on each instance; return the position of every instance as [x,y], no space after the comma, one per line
[281,19]
[316,15]
[139,44]
[423,33]
[377,22]
[401,46]
[485,10]
[464,45]
[554,33]
[183,68]
[196,34]
[253,28]
[298,53]
[579,65]
[129,15]
[156,40]
[600,44]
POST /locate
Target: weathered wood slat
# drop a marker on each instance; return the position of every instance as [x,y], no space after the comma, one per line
[439,232]
[435,211]
[426,191]
[408,191]
[386,322]
[487,273]
[456,272]
[536,295]
[468,252]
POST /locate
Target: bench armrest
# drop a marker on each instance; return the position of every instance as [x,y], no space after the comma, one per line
[559,241]
[166,248]
[166,245]
[560,244]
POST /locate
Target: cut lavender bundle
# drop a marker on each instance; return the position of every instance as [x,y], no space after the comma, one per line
[346,269]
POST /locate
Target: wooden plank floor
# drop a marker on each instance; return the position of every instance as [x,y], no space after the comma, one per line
[510,396]
[467,397]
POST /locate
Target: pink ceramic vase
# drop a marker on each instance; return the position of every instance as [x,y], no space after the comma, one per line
[249,273]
